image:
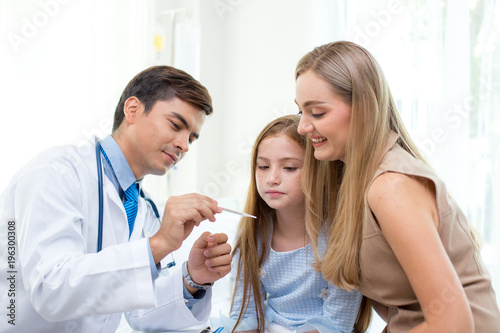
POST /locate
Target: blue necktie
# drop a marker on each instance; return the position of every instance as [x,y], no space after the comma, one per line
[131,199]
[130,204]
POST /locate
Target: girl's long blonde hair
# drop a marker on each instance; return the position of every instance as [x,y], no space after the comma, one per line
[252,240]
[335,190]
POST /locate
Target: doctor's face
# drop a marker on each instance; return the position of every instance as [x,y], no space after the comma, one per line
[156,141]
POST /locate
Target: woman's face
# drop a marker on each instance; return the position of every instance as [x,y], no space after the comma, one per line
[325,117]
[278,170]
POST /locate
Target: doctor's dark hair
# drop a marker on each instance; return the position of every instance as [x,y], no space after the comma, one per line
[162,83]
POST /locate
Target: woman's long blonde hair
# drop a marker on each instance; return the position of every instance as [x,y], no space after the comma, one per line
[253,236]
[335,190]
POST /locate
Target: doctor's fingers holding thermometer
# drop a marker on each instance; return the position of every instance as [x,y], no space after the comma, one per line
[180,216]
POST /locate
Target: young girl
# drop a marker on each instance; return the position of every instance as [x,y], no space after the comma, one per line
[275,284]
[394,232]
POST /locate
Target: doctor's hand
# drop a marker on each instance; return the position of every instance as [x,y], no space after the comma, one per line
[181,215]
[209,259]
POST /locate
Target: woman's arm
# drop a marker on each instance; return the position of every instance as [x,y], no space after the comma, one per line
[406,210]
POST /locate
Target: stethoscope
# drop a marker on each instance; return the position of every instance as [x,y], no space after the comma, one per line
[100,190]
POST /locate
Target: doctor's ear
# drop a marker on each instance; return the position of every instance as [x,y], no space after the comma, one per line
[131,109]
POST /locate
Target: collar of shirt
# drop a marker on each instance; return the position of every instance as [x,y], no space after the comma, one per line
[119,173]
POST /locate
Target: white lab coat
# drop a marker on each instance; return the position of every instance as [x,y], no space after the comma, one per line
[61,283]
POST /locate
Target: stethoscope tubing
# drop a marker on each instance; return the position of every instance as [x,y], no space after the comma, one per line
[99,185]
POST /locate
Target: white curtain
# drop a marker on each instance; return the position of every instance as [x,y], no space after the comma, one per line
[441,60]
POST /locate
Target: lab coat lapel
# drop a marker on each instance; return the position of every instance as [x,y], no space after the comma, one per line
[115,225]
[115,217]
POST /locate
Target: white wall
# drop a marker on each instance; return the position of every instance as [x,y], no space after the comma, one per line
[64,65]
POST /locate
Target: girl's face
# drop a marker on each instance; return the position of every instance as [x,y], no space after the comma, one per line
[325,117]
[278,170]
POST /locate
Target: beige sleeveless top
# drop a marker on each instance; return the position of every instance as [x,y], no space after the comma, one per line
[382,277]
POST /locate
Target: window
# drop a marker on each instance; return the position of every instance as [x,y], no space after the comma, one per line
[442,61]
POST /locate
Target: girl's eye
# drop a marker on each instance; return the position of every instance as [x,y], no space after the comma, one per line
[290,168]
[262,167]
[299,113]
[317,115]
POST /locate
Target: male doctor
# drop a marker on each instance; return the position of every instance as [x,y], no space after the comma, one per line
[54,279]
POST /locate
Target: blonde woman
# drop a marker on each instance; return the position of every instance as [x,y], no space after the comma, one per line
[273,256]
[394,232]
